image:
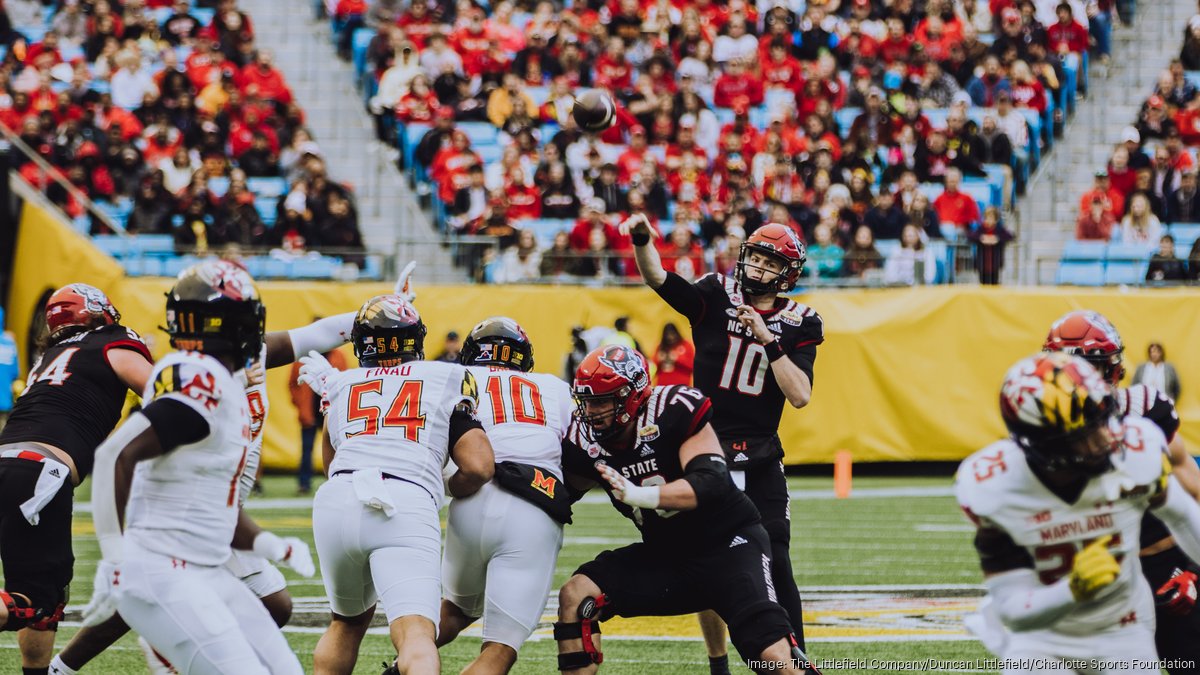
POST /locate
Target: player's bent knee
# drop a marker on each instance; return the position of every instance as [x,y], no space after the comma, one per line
[757,628]
[279,606]
[21,613]
[589,612]
[358,621]
[574,592]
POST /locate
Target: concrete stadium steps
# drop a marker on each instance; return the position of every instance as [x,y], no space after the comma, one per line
[324,87]
[1050,207]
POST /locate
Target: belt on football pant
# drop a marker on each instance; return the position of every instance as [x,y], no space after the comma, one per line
[385,476]
[50,480]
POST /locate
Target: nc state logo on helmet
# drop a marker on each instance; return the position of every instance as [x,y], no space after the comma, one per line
[616,373]
[1092,336]
[1053,404]
[78,307]
[779,243]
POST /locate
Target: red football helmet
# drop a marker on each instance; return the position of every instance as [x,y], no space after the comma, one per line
[1090,335]
[781,243]
[613,373]
[78,307]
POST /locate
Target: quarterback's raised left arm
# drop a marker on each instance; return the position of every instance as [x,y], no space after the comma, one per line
[1181,514]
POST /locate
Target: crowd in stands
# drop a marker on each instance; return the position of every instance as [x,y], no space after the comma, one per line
[1144,202]
[172,119]
[853,121]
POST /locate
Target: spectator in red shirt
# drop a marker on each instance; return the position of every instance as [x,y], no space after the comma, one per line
[472,41]
[898,44]
[737,85]
[419,103]
[263,75]
[1027,91]
[954,207]
[1068,36]
[1096,223]
[1112,200]
[1122,176]
[674,358]
[682,254]
[613,70]
[418,25]
[782,70]
[630,162]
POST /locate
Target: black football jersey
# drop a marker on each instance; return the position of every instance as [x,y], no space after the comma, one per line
[1142,401]
[670,416]
[732,368]
[73,399]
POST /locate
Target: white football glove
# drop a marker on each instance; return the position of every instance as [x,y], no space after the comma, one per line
[404,287]
[103,604]
[316,372]
[644,497]
[290,552]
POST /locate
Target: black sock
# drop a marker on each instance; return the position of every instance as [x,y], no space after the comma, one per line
[35,671]
[718,665]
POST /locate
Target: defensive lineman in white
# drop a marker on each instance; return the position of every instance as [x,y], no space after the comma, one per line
[389,428]
[502,543]
[177,464]
[1058,507]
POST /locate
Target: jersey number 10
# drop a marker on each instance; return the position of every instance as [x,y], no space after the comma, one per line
[524,400]
[749,365]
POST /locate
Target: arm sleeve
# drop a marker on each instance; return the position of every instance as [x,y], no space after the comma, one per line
[998,552]
[462,420]
[322,336]
[1162,412]
[1023,603]
[709,477]
[683,297]
[803,352]
[175,423]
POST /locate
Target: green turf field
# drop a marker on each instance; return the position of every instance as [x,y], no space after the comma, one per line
[886,575]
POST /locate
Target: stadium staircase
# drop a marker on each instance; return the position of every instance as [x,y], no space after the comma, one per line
[390,218]
[1050,207]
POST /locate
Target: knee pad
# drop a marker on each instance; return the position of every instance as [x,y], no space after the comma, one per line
[21,612]
[590,610]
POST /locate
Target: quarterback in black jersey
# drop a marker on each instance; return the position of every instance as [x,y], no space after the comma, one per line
[1172,575]
[754,351]
[72,400]
[655,453]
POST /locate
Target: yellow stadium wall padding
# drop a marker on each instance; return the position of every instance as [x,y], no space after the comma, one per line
[910,374]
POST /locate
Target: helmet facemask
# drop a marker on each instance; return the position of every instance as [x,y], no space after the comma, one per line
[1087,452]
[770,280]
[607,423]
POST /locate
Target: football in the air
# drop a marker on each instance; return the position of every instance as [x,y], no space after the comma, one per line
[594,111]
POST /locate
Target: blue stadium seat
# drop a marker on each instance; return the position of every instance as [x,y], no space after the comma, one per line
[480,133]
[203,14]
[267,209]
[887,247]
[371,269]
[538,94]
[155,244]
[1134,251]
[268,186]
[410,135]
[152,266]
[358,48]
[1085,250]
[545,228]
[488,154]
[1185,235]
[114,245]
[936,116]
[1080,273]
[254,265]
[173,266]
[1127,272]
[218,185]
[276,268]
[313,268]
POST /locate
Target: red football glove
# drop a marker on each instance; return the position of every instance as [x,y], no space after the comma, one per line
[1178,595]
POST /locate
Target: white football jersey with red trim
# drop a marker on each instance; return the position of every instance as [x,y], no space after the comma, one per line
[184,504]
[997,489]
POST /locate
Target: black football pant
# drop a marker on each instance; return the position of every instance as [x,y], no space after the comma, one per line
[37,559]
[766,486]
[1177,637]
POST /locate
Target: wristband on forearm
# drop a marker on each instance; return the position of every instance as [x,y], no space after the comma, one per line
[774,351]
[640,238]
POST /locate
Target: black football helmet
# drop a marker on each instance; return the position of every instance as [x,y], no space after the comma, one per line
[498,341]
[214,308]
[388,331]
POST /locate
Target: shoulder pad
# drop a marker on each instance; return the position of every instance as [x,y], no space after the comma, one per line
[1141,461]
[984,478]
[193,377]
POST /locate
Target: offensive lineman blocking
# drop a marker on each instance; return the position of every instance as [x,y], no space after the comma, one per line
[390,426]
[502,543]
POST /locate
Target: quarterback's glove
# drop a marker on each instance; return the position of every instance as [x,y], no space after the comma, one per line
[404,287]
[316,371]
[104,594]
[1178,595]
[288,551]
[641,496]
[1094,568]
